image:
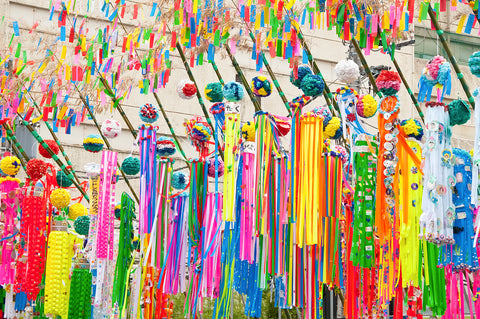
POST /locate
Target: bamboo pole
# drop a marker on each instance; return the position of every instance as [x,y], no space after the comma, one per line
[219,76]
[13,138]
[452,59]
[19,156]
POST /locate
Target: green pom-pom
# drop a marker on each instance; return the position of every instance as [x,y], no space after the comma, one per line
[302,71]
[459,112]
[63,180]
[131,166]
[214,92]
[312,85]
[82,224]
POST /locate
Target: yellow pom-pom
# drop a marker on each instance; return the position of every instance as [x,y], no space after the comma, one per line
[77,210]
[367,106]
[60,198]
[10,165]
[332,127]
[248,131]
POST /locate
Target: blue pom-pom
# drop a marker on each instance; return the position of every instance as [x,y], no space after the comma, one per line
[312,85]
[443,73]
[261,86]
[233,91]
[165,146]
[148,113]
[179,180]
[131,166]
[302,71]
[214,92]
[474,63]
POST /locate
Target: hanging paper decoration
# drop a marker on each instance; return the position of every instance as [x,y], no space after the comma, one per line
[261,86]
[93,143]
[459,112]
[435,74]
[438,208]
[366,106]
[214,92]
[347,100]
[52,145]
[10,165]
[165,146]
[131,165]
[233,91]
[79,305]
[148,113]
[111,128]
[186,89]
[36,168]
[347,71]
[219,169]
[218,112]
[232,135]
[199,133]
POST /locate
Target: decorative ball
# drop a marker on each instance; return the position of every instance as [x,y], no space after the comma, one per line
[111,128]
[52,145]
[148,113]
[248,131]
[459,112]
[10,165]
[60,198]
[412,128]
[474,63]
[212,169]
[201,131]
[36,168]
[63,180]
[179,180]
[118,211]
[366,106]
[93,143]
[388,82]
[347,71]
[312,85]
[233,91]
[165,146]
[433,69]
[82,225]
[76,210]
[261,86]
[302,71]
[332,125]
[214,92]
[186,89]
[131,165]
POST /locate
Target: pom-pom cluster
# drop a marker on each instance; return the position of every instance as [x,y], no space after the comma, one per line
[302,71]
[261,86]
[36,168]
[459,112]
[52,145]
[412,128]
[148,113]
[186,89]
[179,180]
[10,165]
[388,82]
[131,166]
[111,128]
[165,146]
[60,198]
[312,85]
[332,125]
[214,92]
[93,143]
[347,71]
[436,70]
[212,169]
[366,106]
[233,91]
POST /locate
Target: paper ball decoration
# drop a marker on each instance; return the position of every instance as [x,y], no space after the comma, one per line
[36,168]
[118,210]
[214,92]
[459,112]
[179,180]
[60,198]
[332,125]
[302,71]
[186,89]
[131,166]
[10,165]
[347,71]
[388,82]
[111,128]
[76,210]
[52,145]
[366,106]
[233,91]
[261,86]
[212,169]
[474,63]
[82,225]
[93,143]
[248,131]
[312,85]
[63,180]
[412,128]
[436,73]
[200,131]
[165,146]
[148,113]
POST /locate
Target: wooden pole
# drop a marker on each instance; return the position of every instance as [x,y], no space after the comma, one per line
[452,59]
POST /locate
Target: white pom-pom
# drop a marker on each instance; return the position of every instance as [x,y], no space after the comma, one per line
[111,128]
[347,71]
[186,89]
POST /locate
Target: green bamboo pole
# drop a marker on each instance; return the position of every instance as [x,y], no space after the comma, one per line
[56,159]
[219,76]
[254,100]
[19,156]
[452,59]
[13,138]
